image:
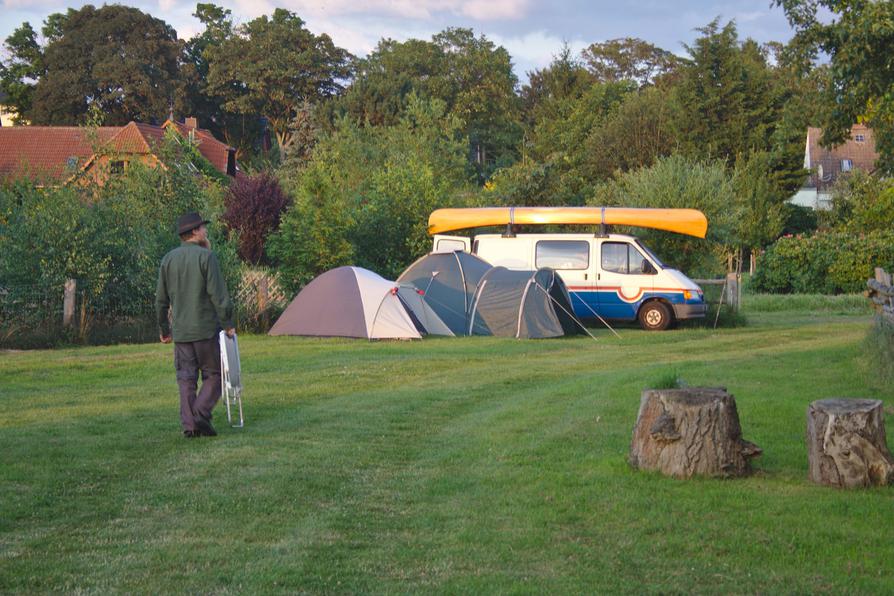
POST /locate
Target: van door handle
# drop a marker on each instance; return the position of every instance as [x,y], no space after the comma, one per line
[585,277]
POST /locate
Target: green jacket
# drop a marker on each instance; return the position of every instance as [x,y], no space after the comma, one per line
[190,282]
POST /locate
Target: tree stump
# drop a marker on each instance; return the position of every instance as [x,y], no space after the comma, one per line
[846,444]
[688,432]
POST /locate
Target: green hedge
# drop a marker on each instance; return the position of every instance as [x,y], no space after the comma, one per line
[824,263]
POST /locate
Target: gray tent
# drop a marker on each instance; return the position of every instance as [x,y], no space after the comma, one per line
[447,282]
[348,302]
[522,304]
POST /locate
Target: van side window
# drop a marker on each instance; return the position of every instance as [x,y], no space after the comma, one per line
[448,245]
[562,254]
[620,257]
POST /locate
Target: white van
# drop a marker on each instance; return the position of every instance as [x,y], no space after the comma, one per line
[613,276]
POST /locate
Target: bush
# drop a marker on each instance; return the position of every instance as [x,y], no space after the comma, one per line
[109,238]
[824,263]
[677,182]
[254,205]
[365,196]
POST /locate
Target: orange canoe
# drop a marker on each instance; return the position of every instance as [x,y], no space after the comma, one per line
[682,221]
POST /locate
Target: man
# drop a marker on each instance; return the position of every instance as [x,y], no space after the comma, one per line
[191,285]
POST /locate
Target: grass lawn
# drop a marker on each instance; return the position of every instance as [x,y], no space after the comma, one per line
[446,465]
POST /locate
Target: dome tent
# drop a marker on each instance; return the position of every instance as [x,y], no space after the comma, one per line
[522,304]
[348,302]
[447,281]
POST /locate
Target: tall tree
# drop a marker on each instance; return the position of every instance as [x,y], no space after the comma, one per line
[485,100]
[859,41]
[628,59]
[471,75]
[124,62]
[20,73]
[564,78]
[726,99]
[271,66]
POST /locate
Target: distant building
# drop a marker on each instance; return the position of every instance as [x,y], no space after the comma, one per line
[54,155]
[5,114]
[827,165]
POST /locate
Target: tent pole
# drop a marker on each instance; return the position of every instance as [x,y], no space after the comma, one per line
[573,318]
[596,314]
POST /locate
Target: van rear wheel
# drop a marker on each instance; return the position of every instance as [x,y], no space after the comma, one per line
[655,316]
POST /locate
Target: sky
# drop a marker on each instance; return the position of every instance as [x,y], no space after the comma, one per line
[533,32]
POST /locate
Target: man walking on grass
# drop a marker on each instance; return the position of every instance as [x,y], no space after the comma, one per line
[191,285]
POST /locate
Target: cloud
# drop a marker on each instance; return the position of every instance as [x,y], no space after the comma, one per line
[748,17]
[537,48]
[481,10]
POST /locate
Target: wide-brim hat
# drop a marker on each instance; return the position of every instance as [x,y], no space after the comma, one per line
[189,222]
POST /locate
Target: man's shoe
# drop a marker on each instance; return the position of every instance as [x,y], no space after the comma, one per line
[203,427]
[191,434]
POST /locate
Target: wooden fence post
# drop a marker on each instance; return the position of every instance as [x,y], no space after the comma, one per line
[68,302]
[733,291]
[263,297]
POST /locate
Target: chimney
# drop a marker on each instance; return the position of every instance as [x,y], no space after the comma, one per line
[191,122]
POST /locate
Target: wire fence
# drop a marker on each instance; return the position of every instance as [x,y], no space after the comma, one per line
[33,316]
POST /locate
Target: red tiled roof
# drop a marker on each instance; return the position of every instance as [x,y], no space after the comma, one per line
[43,152]
[212,149]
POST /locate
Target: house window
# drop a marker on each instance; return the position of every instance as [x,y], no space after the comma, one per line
[859,138]
[847,165]
[563,254]
[620,257]
[117,167]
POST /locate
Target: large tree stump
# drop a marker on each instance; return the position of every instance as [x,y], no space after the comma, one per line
[688,432]
[846,444]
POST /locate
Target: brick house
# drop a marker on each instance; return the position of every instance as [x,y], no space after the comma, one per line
[827,165]
[53,155]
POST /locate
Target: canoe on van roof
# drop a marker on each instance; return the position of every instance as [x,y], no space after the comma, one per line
[682,221]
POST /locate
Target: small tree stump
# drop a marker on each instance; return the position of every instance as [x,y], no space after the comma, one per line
[846,444]
[688,432]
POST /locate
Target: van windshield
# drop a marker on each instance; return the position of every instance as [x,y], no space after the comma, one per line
[651,254]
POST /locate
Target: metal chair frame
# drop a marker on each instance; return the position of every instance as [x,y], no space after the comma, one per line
[231,379]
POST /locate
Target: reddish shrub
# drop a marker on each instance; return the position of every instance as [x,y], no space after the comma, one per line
[254,205]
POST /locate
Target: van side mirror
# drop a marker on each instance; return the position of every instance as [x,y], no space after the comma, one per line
[648,268]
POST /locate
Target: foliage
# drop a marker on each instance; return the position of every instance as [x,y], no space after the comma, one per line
[24,66]
[313,236]
[122,60]
[560,143]
[238,130]
[861,202]
[271,66]
[729,103]
[471,76]
[365,197]
[798,219]
[826,263]
[762,215]
[633,136]
[628,59]
[858,38]
[109,238]
[254,205]
[565,78]
[677,182]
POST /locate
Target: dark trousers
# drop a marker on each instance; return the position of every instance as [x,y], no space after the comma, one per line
[189,359]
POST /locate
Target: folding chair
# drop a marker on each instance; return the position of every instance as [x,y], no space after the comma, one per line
[231,378]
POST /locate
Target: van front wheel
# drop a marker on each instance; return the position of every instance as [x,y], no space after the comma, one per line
[655,316]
